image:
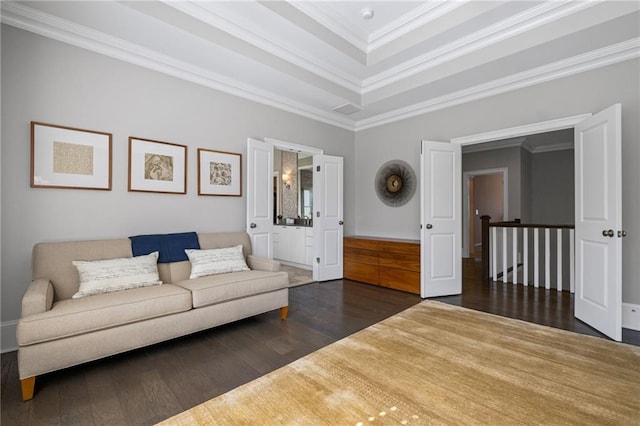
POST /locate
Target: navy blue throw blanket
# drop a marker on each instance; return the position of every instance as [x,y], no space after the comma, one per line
[170,246]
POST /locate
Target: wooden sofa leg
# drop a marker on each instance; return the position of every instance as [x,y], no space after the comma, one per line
[283,312]
[28,385]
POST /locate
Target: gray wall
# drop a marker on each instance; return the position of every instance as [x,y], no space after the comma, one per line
[499,158]
[525,184]
[553,187]
[44,80]
[588,92]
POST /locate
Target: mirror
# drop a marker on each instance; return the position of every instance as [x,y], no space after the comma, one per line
[292,188]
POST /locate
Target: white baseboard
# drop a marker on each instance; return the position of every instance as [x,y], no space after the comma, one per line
[631,316]
[8,333]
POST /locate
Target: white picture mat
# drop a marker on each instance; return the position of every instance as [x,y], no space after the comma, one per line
[43,174]
[140,147]
[208,157]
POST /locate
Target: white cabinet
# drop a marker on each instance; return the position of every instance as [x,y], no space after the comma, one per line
[308,246]
[278,246]
[291,244]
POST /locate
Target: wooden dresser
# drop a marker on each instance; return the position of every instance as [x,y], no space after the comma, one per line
[383,261]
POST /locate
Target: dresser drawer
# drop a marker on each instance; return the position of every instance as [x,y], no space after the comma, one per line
[360,243]
[399,247]
[400,279]
[361,272]
[409,262]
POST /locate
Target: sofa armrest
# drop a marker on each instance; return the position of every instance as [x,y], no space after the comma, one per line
[38,298]
[263,264]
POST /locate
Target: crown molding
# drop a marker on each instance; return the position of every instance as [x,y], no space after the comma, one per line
[262,41]
[518,24]
[309,9]
[410,21]
[55,28]
[46,25]
[549,148]
[598,58]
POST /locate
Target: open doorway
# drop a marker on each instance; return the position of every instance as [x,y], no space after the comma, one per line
[537,172]
[485,192]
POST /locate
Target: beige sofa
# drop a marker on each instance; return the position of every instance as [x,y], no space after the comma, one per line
[57,331]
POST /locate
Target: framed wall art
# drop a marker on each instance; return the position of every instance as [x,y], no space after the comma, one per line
[219,173]
[156,166]
[66,157]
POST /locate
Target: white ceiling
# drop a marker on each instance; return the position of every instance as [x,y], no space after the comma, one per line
[312,57]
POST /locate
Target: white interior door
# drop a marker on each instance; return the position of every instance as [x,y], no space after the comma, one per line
[260,197]
[598,222]
[328,217]
[441,217]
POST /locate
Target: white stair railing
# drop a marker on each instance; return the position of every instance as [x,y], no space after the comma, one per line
[515,256]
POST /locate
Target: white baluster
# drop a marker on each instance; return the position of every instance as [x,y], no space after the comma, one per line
[572,255]
[515,255]
[559,268]
[547,258]
[536,258]
[525,256]
[505,257]
[494,252]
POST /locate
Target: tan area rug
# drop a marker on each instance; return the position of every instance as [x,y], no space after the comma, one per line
[440,364]
[297,276]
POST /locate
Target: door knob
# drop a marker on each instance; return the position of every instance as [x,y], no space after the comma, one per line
[253,225]
[429,226]
[607,233]
[622,233]
[341,223]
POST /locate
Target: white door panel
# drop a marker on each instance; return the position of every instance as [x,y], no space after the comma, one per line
[598,258]
[259,197]
[441,217]
[328,217]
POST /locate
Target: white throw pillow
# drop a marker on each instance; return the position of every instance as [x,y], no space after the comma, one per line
[216,261]
[104,276]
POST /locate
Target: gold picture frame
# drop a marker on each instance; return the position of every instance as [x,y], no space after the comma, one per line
[70,158]
[156,166]
[219,173]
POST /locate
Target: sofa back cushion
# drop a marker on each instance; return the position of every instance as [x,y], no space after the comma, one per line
[53,261]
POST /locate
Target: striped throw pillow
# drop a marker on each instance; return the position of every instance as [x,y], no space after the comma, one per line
[216,261]
[104,276]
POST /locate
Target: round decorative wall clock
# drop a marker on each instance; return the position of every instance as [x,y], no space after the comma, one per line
[395,183]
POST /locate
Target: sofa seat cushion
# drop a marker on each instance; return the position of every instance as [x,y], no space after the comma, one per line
[234,285]
[71,317]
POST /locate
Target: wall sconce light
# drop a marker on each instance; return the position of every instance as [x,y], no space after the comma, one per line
[286,179]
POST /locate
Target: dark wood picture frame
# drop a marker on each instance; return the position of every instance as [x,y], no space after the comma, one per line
[156,166]
[219,173]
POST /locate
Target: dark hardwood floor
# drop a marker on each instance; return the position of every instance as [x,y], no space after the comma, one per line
[145,386]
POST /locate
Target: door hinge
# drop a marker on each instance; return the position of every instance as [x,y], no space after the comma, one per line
[318,260]
[317,168]
[317,214]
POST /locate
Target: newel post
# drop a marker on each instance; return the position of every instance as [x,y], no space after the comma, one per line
[485,246]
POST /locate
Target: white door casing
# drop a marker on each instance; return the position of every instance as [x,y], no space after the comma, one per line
[260,197]
[328,217]
[598,222]
[441,219]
